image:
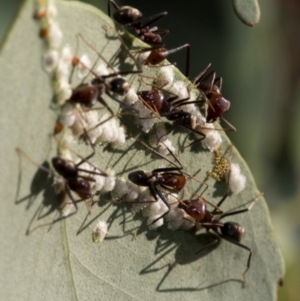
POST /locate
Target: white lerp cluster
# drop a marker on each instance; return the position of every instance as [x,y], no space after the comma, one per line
[100,231]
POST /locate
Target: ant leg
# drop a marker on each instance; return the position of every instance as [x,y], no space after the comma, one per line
[187,46]
[161,32]
[215,240]
[152,19]
[222,200]
[158,154]
[167,169]
[162,197]
[210,76]
[218,82]
[231,127]
[198,78]
[213,76]
[61,217]
[243,210]
[122,103]
[116,6]
[246,283]
[22,153]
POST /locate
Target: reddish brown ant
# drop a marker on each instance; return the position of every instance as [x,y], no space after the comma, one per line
[158,55]
[211,221]
[171,179]
[87,95]
[73,180]
[156,101]
[132,17]
[211,86]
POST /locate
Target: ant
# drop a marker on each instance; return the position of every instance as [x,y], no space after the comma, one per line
[88,94]
[132,17]
[171,179]
[211,86]
[159,54]
[216,229]
[73,180]
[169,108]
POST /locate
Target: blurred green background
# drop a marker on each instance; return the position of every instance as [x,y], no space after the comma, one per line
[260,67]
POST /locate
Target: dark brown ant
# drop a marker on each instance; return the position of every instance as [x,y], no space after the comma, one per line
[211,86]
[132,17]
[171,179]
[73,181]
[156,101]
[211,221]
[158,55]
[87,95]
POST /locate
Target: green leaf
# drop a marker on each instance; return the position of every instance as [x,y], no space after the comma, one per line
[63,263]
[248,11]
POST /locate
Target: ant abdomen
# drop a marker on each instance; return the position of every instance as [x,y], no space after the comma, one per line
[218,105]
[65,168]
[139,178]
[155,100]
[156,56]
[86,95]
[233,230]
[81,186]
[127,14]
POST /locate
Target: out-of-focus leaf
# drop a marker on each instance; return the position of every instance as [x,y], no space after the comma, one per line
[63,263]
[247,11]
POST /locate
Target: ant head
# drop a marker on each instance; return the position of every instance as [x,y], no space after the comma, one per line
[119,85]
[218,105]
[139,178]
[127,14]
[156,56]
[194,208]
[233,230]
[65,168]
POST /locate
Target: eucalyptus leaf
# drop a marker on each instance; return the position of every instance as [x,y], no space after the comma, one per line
[248,11]
[62,262]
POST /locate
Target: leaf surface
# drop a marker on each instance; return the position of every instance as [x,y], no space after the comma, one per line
[63,263]
[248,11]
